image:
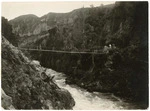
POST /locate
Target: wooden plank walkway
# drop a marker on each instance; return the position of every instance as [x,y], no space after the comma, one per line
[59,51]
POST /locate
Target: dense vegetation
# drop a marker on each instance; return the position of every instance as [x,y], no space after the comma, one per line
[7,32]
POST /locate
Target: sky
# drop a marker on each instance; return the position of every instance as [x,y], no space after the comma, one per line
[10,10]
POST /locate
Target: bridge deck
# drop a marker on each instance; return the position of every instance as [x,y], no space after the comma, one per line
[59,51]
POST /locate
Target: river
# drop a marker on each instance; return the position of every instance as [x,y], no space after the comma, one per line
[85,100]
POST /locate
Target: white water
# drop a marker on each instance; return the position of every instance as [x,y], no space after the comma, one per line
[90,101]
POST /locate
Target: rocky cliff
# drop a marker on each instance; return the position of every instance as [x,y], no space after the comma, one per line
[23,88]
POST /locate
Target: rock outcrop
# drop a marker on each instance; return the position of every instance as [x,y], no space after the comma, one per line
[24,87]
[6,101]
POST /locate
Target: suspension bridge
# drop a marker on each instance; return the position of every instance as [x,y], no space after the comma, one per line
[96,52]
[61,51]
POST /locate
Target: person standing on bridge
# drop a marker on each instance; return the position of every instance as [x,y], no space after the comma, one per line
[106,49]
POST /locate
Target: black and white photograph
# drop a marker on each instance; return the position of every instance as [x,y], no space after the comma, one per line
[74,55]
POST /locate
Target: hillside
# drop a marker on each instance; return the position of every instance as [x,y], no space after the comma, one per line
[28,22]
[71,27]
[22,86]
[123,24]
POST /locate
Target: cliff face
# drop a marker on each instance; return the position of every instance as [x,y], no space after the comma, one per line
[22,83]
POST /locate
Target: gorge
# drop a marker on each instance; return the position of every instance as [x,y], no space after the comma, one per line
[114,38]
